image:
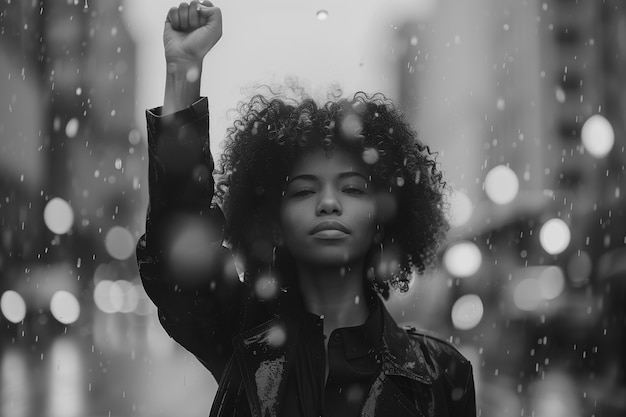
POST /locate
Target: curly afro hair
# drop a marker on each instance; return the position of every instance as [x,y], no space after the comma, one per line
[262,145]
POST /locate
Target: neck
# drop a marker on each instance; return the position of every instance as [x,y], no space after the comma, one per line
[336,293]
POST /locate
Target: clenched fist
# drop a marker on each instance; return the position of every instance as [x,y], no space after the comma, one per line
[191,30]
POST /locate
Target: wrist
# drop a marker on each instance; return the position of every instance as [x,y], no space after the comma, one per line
[183,68]
[182,84]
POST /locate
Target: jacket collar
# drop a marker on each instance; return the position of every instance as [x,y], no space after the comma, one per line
[265,351]
[403,355]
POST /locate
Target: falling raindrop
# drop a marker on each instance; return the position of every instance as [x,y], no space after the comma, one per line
[71,129]
[134,137]
[193,74]
[560,95]
[322,15]
[351,126]
[370,156]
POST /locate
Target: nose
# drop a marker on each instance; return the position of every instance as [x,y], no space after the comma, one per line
[328,202]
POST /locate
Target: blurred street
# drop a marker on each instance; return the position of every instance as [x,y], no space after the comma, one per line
[124,368]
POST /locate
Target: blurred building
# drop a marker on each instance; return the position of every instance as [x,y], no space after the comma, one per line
[70,211]
[525,103]
[69,187]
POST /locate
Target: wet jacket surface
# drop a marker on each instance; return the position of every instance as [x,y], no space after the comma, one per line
[246,343]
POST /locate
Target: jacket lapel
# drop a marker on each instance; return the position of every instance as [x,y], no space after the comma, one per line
[263,354]
[403,364]
[403,356]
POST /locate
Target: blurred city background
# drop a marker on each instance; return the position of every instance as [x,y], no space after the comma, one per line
[525,101]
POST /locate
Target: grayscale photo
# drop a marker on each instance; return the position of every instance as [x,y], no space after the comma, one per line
[280,208]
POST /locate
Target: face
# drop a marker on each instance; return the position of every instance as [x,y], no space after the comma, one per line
[328,212]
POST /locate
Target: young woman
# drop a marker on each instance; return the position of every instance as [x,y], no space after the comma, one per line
[326,207]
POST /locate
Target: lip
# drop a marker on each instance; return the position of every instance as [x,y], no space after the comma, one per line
[330,229]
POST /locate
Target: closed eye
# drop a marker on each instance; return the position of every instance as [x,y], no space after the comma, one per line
[303,192]
[353,190]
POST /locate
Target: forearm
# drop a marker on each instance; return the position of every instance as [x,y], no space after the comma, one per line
[182,85]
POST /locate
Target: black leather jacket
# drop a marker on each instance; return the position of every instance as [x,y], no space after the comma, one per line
[211,313]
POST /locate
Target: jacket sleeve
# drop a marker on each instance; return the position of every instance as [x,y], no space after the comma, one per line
[466,404]
[185,269]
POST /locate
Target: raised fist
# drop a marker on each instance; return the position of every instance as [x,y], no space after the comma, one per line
[191,30]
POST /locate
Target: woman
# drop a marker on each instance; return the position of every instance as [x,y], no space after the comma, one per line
[326,209]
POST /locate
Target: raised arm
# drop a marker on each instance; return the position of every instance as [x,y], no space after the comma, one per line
[190,31]
[184,267]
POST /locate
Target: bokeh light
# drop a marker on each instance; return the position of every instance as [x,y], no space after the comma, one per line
[554,236]
[64,307]
[119,243]
[13,306]
[194,248]
[467,312]
[527,294]
[461,208]
[597,136]
[276,336]
[551,282]
[387,263]
[108,296]
[501,184]
[144,305]
[130,298]
[266,287]
[122,296]
[58,216]
[351,126]
[462,259]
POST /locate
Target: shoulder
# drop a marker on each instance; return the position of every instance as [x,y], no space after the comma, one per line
[440,353]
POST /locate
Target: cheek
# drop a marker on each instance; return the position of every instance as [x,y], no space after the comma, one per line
[289,219]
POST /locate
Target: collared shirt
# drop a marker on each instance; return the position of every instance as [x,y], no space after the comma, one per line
[352,366]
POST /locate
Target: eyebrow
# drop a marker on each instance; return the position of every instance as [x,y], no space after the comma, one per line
[311,177]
